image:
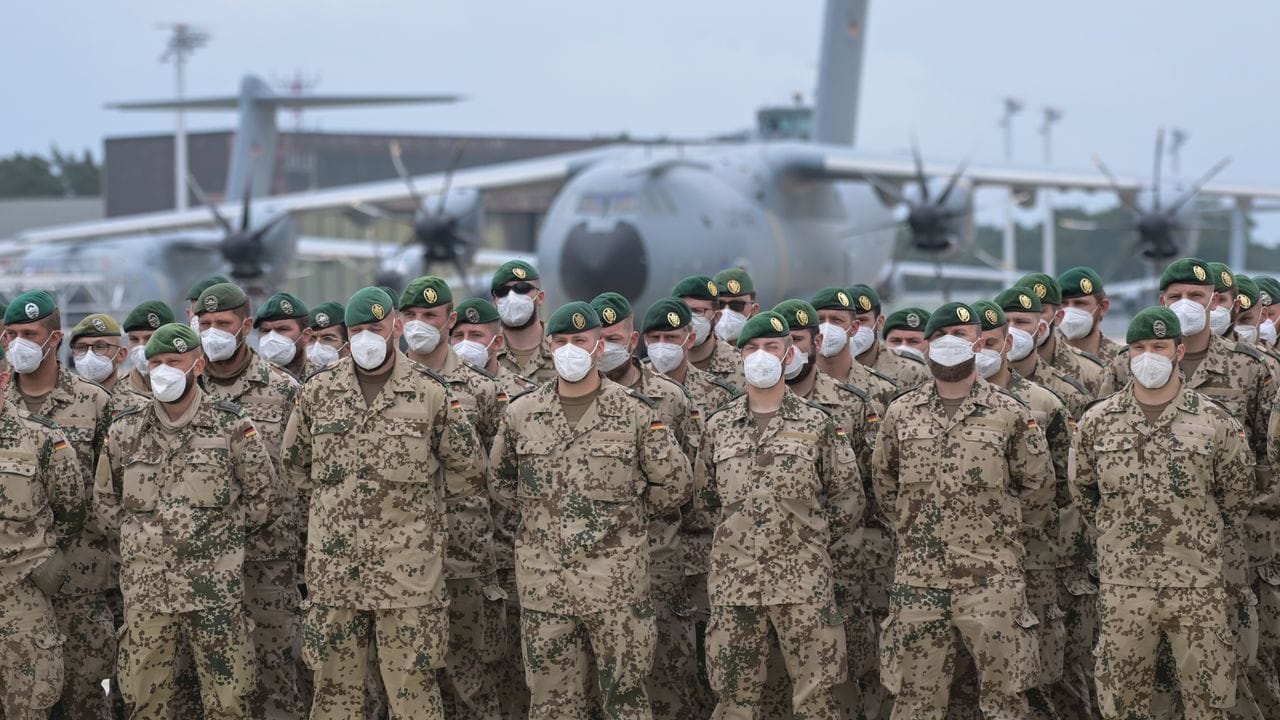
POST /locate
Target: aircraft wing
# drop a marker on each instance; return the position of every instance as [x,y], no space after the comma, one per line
[485,177]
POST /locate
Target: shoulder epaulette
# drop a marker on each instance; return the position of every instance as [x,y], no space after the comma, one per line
[1009,393]
[228,406]
[724,384]
[682,388]
[126,411]
[887,378]
[863,394]
[1249,350]
[320,371]
[816,406]
[1124,350]
[911,358]
[1071,380]
[431,374]
[1092,357]
[481,371]
[644,399]
[43,420]
[719,410]
[900,392]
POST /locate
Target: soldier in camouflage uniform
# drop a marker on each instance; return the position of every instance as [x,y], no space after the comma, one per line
[238,374]
[1025,314]
[1163,473]
[42,508]
[284,330]
[193,294]
[1054,351]
[517,294]
[778,479]
[1084,305]
[1269,299]
[903,332]
[44,387]
[477,602]
[184,482]
[371,441]
[328,341]
[668,337]
[586,463]
[962,470]
[709,353]
[838,323]
[97,349]
[864,602]
[736,300]
[668,683]
[906,371]
[139,325]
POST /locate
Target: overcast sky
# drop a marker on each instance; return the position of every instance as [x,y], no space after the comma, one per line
[684,68]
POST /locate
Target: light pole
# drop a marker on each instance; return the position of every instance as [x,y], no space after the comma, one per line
[1049,236]
[184,41]
[1012,106]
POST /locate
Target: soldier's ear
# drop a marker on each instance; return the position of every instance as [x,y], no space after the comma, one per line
[688,341]
[634,342]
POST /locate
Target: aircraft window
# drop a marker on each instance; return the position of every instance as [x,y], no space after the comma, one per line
[602,204]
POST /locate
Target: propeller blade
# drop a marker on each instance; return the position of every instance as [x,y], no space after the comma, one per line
[244,209]
[919,163]
[204,200]
[378,213]
[867,230]
[262,231]
[951,184]
[1115,185]
[403,173]
[1195,187]
[448,175]
[1155,172]
[940,280]
[885,188]
[463,280]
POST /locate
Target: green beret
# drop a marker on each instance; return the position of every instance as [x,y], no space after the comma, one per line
[1268,289]
[368,305]
[198,289]
[327,314]
[865,298]
[172,338]
[220,297]
[282,306]
[1248,296]
[476,311]
[1019,299]
[910,318]
[989,314]
[1045,287]
[699,287]
[612,308]
[1079,281]
[1153,323]
[149,315]
[669,313]
[573,318]
[832,298]
[798,314]
[427,291]
[950,315]
[1223,279]
[512,270]
[29,307]
[767,324]
[391,293]
[734,281]
[96,325]
[1191,271]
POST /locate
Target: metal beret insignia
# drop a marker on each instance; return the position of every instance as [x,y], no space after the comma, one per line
[913,320]
[153,320]
[776,323]
[211,303]
[429,295]
[1199,272]
[963,314]
[378,311]
[844,299]
[864,302]
[1226,279]
[1086,286]
[711,288]
[579,321]
[519,272]
[322,319]
[991,316]
[1041,290]
[608,315]
[1245,302]
[472,315]
[1024,301]
[286,307]
[802,317]
[1264,297]
[99,325]
[179,344]
[734,287]
[1158,329]
[673,319]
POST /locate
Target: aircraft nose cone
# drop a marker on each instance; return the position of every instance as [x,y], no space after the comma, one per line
[594,262]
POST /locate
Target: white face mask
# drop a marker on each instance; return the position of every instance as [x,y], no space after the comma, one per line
[1023,344]
[988,362]
[322,355]
[473,353]
[730,325]
[218,344]
[763,369]
[908,351]
[572,362]
[25,356]
[368,349]
[1267,332]
[168,383]
[1151,370]
[1076,323]
[422,337]
[796,365]
[138,359]
[665,356]
[862,340]
[834,339]
[1248,334]
[515,309]
[950,351]
[1043,333]
[614,357]
[93,366]
[277,349]
[1220,321]
[1190,316]
[701,329]
[194,322]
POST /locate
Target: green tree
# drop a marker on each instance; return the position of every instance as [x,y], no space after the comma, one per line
[81,178]
[28,176]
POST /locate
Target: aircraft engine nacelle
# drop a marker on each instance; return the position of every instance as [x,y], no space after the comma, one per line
[940,216]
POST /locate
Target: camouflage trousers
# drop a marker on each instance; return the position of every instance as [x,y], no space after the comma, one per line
[31,669]
[221,646]
[701,698]
[89,626]
[271,600]
[876,700]
[1133,620]
[513,690]
[1264,676]
[410,645]
[926,628]
[670,682]
[811,639]
[1075,695]
[559,651]
[477,642]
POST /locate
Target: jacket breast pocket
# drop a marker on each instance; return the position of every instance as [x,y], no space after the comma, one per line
[533,458]
[141,489]
[205,479]
[1118,470]
[982,457]
[612,474]
[736,478]
[1190,462]
[22,498]
[795,472]
[917,453]
[406,453]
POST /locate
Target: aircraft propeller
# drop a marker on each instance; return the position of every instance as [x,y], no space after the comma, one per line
[242,247]
[930,218]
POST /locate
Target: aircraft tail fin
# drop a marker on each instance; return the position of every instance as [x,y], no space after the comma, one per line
[844,30]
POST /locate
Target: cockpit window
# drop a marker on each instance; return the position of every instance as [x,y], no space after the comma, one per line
[602,204]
